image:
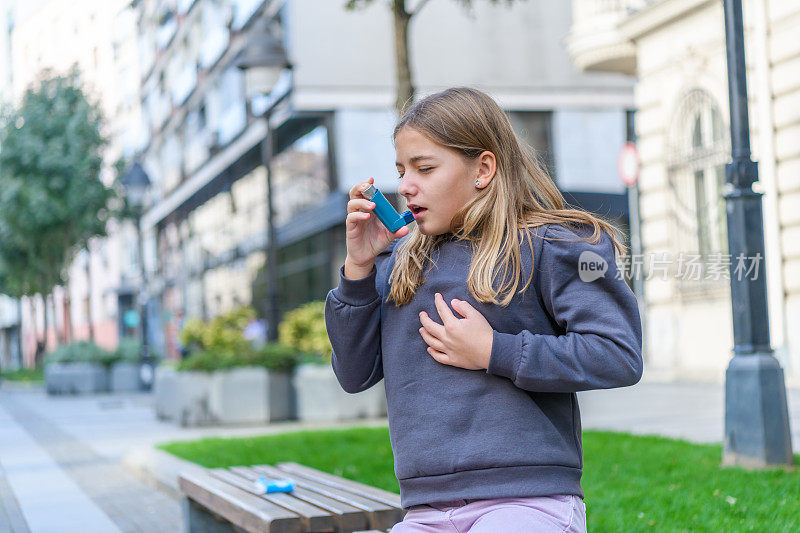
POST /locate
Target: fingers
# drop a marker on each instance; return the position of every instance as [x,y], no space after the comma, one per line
[444,312]
[355,217]
[359,204]
[440,357]
[355,191]
[437,330]
[462,307]
[432,341]
[401,232]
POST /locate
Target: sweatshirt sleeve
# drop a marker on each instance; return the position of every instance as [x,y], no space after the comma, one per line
[601,346]
[352,320]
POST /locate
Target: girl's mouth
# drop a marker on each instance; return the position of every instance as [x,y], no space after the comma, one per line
[417,211]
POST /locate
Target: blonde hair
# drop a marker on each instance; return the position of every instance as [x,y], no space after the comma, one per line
[520,196]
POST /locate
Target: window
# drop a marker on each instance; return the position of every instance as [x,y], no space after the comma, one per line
[535,128]
[300,175]
[696,169]
[304,274]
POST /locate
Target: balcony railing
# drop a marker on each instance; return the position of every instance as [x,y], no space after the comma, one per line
[595,42]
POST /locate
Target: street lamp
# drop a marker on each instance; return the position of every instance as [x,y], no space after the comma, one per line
[756,414]
[136,184]
[263,61]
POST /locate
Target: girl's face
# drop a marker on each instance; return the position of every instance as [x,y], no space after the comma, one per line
[437,179]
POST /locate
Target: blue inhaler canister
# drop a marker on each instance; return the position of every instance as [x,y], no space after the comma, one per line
[385,212]
[265,486]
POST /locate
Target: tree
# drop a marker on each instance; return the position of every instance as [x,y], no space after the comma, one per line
[52,200]
[402,18]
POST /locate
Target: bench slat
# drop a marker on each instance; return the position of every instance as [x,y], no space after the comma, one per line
[362,502]
[381,514]
[347,517]
[313,518]
[389,498]
[247,511]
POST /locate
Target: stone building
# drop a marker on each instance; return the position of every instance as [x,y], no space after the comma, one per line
[676,50]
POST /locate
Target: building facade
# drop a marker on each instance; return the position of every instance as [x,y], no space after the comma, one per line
[205,228]
[10,342]
[99,37]
[676,49]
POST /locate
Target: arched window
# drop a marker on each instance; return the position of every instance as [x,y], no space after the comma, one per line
[696,159]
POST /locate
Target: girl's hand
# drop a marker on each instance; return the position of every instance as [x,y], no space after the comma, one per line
[366,235]
[461,342]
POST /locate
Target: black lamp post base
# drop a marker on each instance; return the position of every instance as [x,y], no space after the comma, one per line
[756,413]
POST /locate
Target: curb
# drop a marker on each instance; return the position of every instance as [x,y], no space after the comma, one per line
[158,469]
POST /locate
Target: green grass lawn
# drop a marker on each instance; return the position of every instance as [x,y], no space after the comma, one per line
[631,483]
[23,374]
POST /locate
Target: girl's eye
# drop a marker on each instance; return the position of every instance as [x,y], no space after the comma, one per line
[426,169]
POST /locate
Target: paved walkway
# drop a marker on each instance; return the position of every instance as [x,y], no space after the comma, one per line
[60,456]
[60,461]
[691,411]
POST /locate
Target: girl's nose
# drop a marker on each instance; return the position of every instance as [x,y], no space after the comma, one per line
[405,187]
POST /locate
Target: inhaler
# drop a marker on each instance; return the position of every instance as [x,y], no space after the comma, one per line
[385,212]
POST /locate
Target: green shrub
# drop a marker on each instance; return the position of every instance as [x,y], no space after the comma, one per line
[272,356]
[206,361]
[81,352]
[276,357]
[222,334]
[129,350]
[191,335]
[304,330]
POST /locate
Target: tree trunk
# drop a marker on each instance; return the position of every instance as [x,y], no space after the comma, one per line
[61,331]
[405,85]
[50,301]
[89,317]
[41,343]
[70,334]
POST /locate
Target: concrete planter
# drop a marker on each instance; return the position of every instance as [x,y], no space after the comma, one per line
[320,397]
[182,397]
[192,390]
[124,377]
[249,395]
[165,393]
[55,378]
[75,378]
[281,396]
[245,395]
[88,378]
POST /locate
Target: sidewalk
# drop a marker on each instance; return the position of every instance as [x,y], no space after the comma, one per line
[690,411]
[61,457]
[61,462]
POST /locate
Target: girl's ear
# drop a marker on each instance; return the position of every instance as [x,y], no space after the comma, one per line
[487,166]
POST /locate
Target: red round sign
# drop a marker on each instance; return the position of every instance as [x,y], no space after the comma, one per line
[628,164]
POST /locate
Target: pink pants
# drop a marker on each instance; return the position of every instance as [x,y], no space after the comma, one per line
[545,514]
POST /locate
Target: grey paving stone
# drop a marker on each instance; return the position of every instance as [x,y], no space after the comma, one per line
[131,505]
[11,519]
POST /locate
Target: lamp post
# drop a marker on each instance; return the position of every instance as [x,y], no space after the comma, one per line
[756,414]
[136,184]
[263,61]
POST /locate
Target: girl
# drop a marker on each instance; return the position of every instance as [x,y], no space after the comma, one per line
[481,376]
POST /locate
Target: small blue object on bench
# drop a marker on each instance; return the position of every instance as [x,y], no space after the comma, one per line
[267,486]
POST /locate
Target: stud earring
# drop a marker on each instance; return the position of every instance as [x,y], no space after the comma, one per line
[477,183]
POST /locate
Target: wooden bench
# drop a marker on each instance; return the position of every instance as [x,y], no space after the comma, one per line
[225,499]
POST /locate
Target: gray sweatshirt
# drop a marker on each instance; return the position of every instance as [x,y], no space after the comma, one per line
[514,429]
